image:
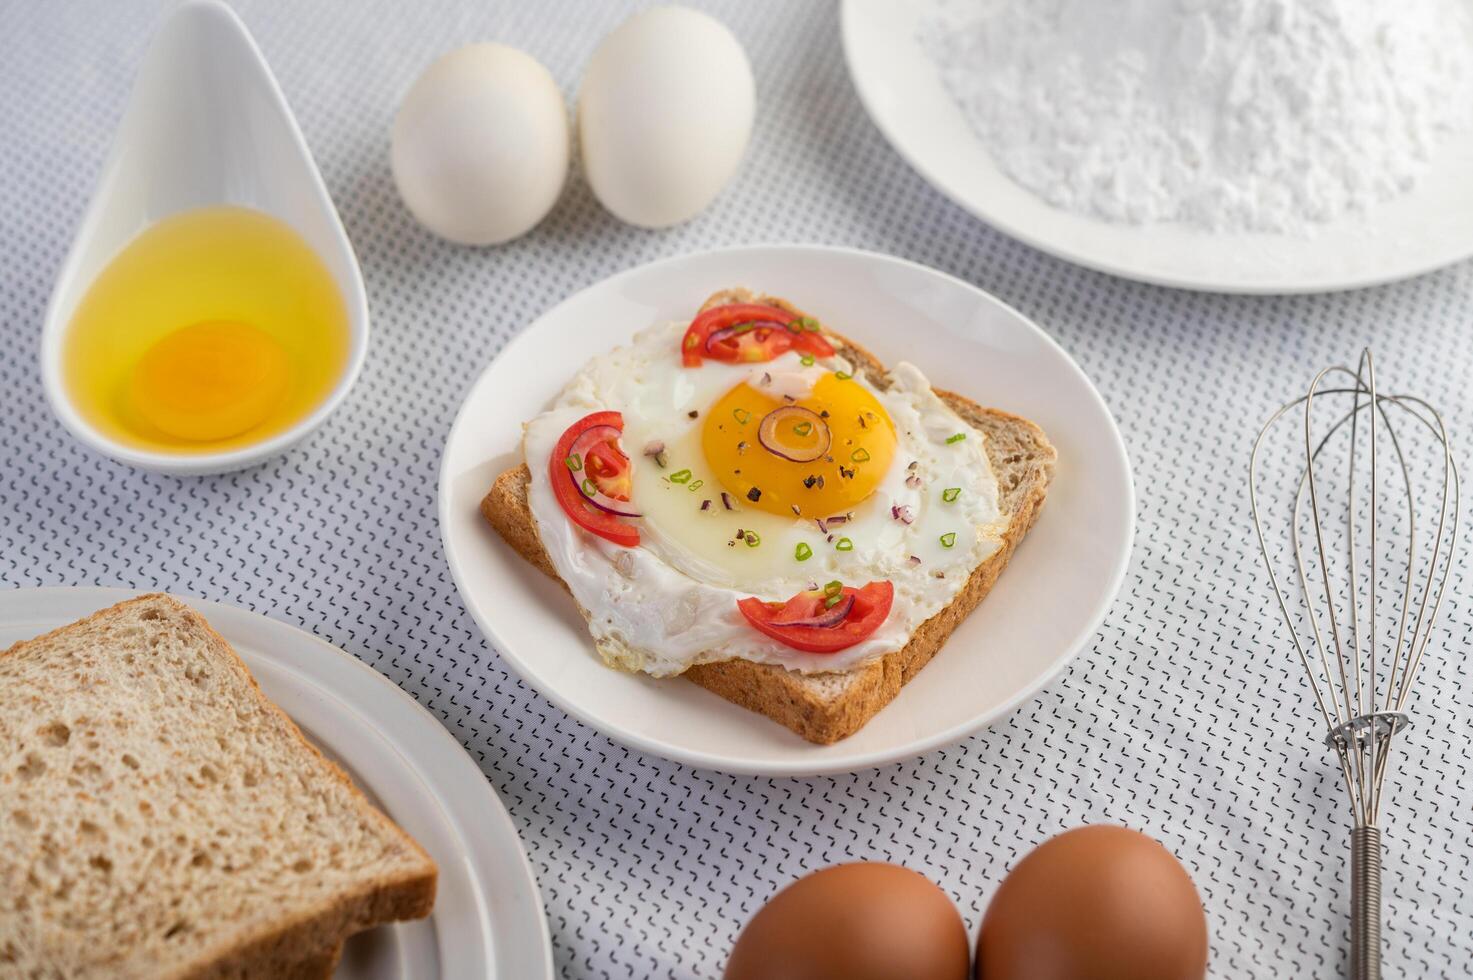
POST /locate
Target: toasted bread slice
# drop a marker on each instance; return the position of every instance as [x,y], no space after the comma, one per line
[319,966]
[160,818]
[826,707]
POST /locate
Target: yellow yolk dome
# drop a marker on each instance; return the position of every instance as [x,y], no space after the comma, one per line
[822,454]
[209,381]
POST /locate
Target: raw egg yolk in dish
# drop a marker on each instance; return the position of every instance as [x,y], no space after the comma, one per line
[209,381]
[812,457]
[211,330]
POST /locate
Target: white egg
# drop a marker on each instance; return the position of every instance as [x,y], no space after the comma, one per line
[671,602]
[664,114]
[480,145]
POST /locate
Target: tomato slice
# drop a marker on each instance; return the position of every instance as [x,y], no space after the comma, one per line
[749,332]
[600,470]
[812,342]
[606,465]
[791,623]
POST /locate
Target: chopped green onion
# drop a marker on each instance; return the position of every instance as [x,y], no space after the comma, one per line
[833,588]
[843,375]
[950,494]
[803,428]
[807,360]
[843,544]
[832,601]
[589,490]
[680,476]
[948,539]
[575,462]
[696,485]
[860,455]
[810,324]
[741,415]
[956,438]
[744,327]
[796,325]
[802,552]
[753,540]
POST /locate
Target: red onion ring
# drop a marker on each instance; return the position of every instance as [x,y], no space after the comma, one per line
[824,619]
[602,501]
[592,437]
[725,333]
[767,433]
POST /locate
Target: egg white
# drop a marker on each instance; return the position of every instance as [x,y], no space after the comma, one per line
[670,603]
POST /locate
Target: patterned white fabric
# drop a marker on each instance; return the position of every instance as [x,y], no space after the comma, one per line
[1186,718]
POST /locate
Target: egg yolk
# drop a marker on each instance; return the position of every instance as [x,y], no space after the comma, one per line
[815,457]
[209,381]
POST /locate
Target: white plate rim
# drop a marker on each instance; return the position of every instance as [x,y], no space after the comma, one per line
[1060,247]
[796,768]
[471,807]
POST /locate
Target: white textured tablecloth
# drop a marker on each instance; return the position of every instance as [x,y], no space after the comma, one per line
[1186,718]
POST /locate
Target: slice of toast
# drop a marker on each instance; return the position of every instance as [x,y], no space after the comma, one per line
[319,966]
[160,818]
[824,708]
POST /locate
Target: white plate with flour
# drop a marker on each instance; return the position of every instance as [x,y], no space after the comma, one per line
[900,85]
[1044,609]
[488,920]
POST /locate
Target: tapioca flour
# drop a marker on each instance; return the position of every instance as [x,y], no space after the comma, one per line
[1227,115]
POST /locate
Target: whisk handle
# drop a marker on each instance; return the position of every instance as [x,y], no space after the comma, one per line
[1365,903]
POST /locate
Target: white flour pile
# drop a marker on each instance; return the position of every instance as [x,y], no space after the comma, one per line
[1229,115]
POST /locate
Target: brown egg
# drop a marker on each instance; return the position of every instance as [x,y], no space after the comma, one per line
[1096,903]
[854,922]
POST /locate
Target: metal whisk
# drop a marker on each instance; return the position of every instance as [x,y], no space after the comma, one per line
[1361,668]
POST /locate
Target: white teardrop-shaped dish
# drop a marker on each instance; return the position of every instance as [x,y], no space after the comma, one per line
[206,125]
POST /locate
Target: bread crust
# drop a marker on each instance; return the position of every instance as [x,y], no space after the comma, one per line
[791,698]
[319,966]
[277,949]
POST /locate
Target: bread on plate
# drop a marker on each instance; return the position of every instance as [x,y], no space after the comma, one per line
[872,463]
[161,818]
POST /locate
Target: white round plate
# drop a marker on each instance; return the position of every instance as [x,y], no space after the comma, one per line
[1044,608]
[1428,228]
[488,920]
